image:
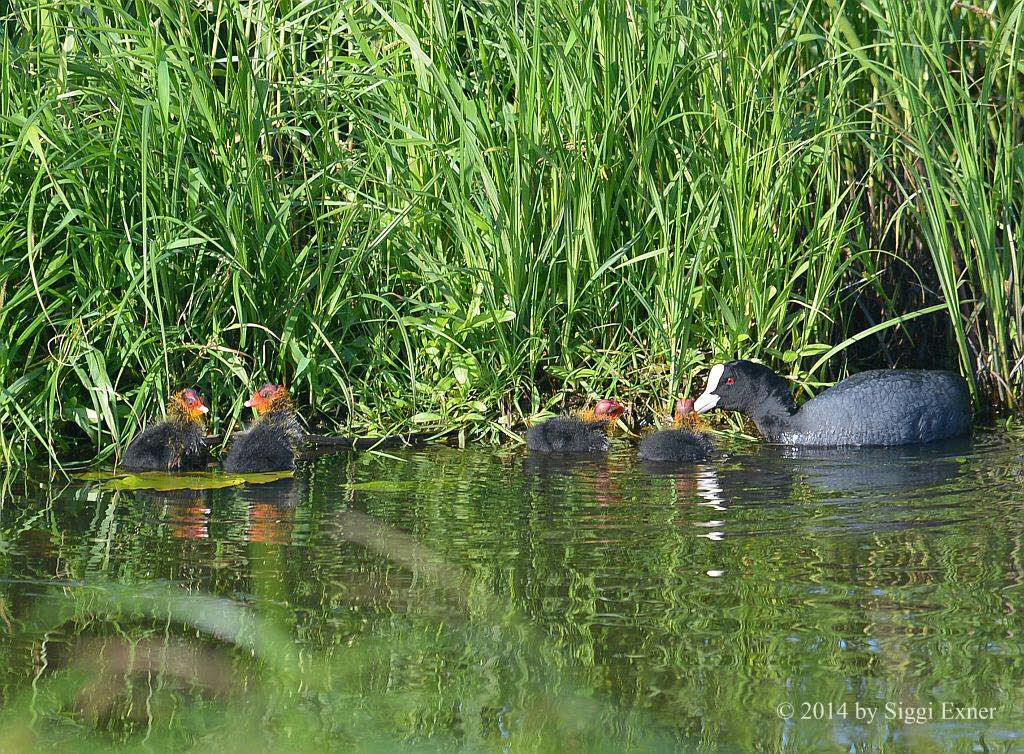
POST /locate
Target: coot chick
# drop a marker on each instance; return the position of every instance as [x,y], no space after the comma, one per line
[585,432]
[882,407]
[175,444]
[686,441]
[270,443]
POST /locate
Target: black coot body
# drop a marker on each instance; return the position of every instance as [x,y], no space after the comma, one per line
[567,434]
[168,447]
[684,442]
[585,433]
[270,444]
[176,444]
[883,407]
[670,445]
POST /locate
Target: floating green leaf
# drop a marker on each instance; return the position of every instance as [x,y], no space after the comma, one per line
[192,480]
[160,480]
[97,475]
[264,477]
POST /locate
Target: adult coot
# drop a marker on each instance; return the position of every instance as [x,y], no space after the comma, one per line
[175,444]
[585,432]
[270,443]
[882,407]
[685,441]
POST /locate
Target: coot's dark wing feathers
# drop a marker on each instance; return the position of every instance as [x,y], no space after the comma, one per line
[193,453]
[151,450]
[675,445]
[566,434]
[885,407]
[167,447]
[262,448]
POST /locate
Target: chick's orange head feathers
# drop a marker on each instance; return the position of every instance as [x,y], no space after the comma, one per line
[266,396]
[686,416]
[606,409]
[189,404]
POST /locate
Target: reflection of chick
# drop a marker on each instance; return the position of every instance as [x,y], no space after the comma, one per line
[270,443]
[688,440]
[186,512]
[270,524]
[271,510]
[190,523]
[174,444]
[585,432]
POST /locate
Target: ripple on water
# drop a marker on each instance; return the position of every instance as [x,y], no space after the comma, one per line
[689,600]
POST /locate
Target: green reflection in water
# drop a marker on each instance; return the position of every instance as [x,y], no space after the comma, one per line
[493,601]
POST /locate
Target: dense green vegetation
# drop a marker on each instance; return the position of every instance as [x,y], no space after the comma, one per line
[452,215]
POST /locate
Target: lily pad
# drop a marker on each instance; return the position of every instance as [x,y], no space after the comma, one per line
[263,477]
[191,480]
[162,480]
[384,486]
[97,475]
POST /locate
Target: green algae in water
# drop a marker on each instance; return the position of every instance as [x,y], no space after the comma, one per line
[383,485]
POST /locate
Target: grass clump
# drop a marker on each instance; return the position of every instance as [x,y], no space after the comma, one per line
[452,216]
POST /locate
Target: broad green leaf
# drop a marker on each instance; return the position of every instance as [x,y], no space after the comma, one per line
[192,480]
[163,88]
[424,417]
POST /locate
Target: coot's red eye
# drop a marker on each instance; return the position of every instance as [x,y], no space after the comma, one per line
[730,381]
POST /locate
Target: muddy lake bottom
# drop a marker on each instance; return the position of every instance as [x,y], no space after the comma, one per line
[772,599]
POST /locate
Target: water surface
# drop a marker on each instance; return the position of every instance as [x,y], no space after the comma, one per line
[487,600]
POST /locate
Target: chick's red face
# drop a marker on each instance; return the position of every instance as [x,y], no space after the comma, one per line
[606,409]
[684,406]
[192,401]
[263,397]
